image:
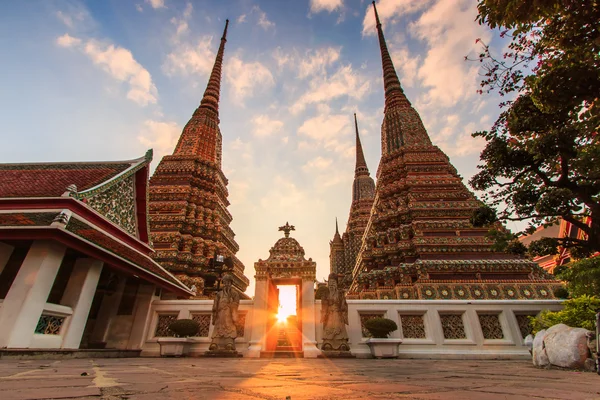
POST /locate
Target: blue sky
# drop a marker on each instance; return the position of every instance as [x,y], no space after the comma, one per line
[106,80]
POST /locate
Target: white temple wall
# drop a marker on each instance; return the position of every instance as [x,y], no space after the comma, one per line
[164,312]
[498,317]
[476,344]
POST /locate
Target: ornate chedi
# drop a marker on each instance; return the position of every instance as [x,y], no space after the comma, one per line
[419,242]
[189,221]
[344,250]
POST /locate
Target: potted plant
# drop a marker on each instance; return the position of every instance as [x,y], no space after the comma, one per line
[179,345]
[380,344]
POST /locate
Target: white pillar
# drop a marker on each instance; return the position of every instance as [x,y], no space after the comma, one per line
[27,296]
[108,310]
[259,320]
[141,315]
[309,334]
[5,252]
[79,295]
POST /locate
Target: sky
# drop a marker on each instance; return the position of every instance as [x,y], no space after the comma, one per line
[107,80]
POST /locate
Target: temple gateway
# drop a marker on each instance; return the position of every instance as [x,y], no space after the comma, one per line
[95,256]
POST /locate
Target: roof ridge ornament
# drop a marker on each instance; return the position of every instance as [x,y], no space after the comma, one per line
[287,228]
[70,191]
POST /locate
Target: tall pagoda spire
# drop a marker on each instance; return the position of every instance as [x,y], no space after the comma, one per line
[210,100]
[402,125]
[361,164]
[391,83]
[201,135]
[189,220]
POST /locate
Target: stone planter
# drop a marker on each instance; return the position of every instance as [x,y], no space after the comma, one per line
[174,346]
[384,348]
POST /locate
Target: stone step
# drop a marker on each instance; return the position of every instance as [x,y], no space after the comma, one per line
[281,354]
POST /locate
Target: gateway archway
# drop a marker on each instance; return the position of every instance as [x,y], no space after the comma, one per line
[286,266]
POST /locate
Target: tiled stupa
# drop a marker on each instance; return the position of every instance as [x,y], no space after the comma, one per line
[419,242]
[189,221]
[344,249]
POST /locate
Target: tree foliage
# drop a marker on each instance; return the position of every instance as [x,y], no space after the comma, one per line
[542,157]
[582,277]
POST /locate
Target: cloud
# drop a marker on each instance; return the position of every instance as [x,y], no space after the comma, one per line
[448,29]
[327,130]
[67,40]
[187,59]
[389,11]
[459,142]
[241,19]
[318,163]
[315,63]
[344,82]
[246,78]
[156,3]
[119,63]
[265,126]
[317,6]
[406,64]
[160,136]
[263,21]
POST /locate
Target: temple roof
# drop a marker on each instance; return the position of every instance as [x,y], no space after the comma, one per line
[51,179]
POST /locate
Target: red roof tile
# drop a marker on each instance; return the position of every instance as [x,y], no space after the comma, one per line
[52,179]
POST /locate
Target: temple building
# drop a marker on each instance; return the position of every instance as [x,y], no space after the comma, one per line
[344,249]
[419,242]
[75,265]
[189,221]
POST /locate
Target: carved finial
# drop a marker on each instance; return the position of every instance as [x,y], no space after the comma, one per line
[70,191]
[287,228]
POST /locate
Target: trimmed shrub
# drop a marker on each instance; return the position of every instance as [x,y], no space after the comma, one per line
[184,327]
[380,327]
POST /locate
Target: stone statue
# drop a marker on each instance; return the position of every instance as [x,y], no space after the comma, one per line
[225,317]
[334,316]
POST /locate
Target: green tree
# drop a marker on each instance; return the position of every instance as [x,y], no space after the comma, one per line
[542,157]
[582,277]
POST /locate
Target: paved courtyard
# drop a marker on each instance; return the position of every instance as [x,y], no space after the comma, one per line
[243,379]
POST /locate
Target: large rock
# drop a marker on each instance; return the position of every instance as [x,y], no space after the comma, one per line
[540,358]
[529,343]
[566,347]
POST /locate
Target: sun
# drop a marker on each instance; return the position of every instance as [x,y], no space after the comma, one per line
[287,302]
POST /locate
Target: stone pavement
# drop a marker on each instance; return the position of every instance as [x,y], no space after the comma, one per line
[244,379]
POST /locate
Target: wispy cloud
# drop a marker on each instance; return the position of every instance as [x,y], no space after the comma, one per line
[119,63]
[317,6]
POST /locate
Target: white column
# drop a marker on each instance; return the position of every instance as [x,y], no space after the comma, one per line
[259,320]
[108,310]
[5,252]
[27,296]
[141,315]
[79,295]
[309,333]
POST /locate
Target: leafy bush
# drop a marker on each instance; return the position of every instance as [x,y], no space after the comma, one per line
[380,327]
[579,312]
[184,327]
[583,276]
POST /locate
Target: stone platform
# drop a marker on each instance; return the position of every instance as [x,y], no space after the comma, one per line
[301,379]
